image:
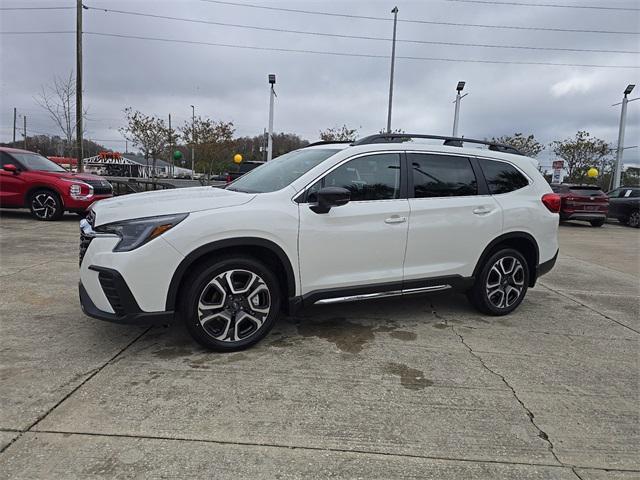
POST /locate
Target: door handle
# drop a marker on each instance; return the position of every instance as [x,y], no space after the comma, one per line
[395,219]
[482,210]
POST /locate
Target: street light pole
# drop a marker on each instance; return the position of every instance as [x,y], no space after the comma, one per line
[272,82]
[393,61]
[456,115]
[620,150]
[15,115]
[193,142]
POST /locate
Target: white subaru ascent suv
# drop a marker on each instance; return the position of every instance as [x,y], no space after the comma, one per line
[386,215]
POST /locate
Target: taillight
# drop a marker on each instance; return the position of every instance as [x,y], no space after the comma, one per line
[552,202]
[228,179]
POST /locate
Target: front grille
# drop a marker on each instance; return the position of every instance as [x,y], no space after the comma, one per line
[100,187]
[108,284]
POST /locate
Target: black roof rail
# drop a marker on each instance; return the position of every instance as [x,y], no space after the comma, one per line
[327,142]
[448,141]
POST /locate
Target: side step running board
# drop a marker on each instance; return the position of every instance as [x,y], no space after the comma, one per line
[369,296]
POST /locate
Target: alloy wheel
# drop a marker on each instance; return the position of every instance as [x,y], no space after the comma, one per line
[634,220]
[44,206]
[505,282]
[234,305]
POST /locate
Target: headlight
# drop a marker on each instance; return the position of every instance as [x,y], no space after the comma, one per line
[79,190]
[134,233]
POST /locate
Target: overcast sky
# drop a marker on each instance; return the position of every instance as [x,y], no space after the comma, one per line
[316,91]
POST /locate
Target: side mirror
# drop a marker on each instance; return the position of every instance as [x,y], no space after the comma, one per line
[330,197]
[10,168]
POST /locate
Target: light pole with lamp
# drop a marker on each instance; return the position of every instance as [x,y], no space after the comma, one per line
[272,82]
[456,115]
[393,61]
[193,142]
[623,122]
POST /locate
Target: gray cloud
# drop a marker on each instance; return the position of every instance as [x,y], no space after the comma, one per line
[316,91]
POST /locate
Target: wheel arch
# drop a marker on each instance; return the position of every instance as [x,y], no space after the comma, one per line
[261,249]
[521,241]
[41,186]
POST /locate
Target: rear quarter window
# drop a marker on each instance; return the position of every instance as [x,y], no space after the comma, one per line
[502,177]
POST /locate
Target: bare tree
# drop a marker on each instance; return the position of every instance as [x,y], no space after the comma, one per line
[212,141]
[59,100]
[528,144]
[147,132]
[339,134]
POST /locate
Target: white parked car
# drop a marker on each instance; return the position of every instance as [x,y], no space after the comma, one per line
[386,215]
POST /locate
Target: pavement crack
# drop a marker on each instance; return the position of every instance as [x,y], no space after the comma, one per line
[92,373]
[573,469]
[541,433]
[590,308]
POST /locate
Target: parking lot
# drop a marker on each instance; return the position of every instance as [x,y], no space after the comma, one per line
[419,387]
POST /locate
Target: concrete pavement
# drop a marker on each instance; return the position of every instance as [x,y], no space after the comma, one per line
[422,387]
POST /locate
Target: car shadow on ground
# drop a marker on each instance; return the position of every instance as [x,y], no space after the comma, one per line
[19,214]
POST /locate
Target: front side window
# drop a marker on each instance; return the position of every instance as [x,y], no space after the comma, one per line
[441,176]
[371,177]
[502,177]
[280,172]
[33,161]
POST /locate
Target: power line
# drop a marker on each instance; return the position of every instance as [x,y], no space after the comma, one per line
[36,8]
[553,5]
[37,33]
[346,54]
[358,37]
[427,22]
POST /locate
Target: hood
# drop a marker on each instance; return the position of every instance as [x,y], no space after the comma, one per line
[166,202]
[71,176]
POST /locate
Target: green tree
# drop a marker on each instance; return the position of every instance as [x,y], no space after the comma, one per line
[212,141]
[147,132]
[528,145]
[339,134]
[582,152]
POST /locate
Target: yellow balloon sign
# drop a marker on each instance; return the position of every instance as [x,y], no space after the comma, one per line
[592,172]
[237,158]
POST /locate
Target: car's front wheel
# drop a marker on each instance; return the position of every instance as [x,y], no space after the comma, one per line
[231,304]
[45,205]
[501,284]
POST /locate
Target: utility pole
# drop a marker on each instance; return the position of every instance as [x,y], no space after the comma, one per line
[456,115]
[170,150]
[79,148]
[393,61]
[193,142]
[15,115]
[25,132]
[272,82]
[620,150]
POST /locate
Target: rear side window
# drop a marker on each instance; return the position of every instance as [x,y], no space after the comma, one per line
[586,191]
[502,177]
[441,176]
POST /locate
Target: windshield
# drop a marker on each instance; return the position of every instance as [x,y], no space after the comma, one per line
[281,171]
[33,161]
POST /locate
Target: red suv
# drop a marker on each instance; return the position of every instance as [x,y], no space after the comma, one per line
[582,202]
[29,180]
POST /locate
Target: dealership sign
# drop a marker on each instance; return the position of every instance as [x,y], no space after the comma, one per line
[558,165]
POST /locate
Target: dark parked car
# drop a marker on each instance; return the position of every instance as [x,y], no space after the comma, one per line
[243,168]
[624,205]
[582,202]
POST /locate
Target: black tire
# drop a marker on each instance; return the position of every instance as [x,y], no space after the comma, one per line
[634,219]
[597,223]
[236,324]
[515,278]
[45,205]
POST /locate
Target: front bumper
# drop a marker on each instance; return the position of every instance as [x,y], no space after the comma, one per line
[73,205]
[125,308]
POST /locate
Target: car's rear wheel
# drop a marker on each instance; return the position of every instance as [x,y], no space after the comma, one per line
[501,284]
[231,304]
[45,205]
[634,219]
[597,223]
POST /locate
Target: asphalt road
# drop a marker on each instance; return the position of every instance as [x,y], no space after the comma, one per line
[421,387]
